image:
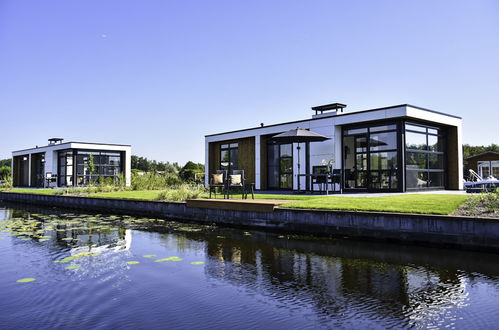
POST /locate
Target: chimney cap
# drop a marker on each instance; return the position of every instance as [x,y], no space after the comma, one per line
[55,140]
[327,107]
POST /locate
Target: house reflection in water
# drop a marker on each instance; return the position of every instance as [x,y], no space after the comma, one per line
[336,281]
[85,240]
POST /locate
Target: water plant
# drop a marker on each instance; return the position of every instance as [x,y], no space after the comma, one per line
[133,262]
[169,259]
[72,267]
[26,280]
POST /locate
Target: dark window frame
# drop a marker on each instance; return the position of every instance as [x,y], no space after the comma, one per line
[229,147]
[427,152]
[291,173]
[368,172]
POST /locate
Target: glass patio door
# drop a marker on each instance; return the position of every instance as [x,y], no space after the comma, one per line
[355,161]
[280,166]
[370,158]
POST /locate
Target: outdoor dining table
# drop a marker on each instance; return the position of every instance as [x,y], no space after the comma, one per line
[328,180]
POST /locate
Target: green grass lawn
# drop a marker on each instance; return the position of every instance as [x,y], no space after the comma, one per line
[153,194]
[31,191]
[132,194]
[411,203]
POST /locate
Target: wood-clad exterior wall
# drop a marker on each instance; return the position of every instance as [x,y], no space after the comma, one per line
[246,156]
[20,171]
[453,174]
[472,162]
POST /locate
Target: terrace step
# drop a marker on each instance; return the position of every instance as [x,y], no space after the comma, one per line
[249,205]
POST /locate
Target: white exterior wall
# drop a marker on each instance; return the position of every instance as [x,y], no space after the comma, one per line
[51,155]
[330,126]
[460,155]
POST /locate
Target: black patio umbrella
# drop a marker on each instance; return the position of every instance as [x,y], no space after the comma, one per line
[299,135]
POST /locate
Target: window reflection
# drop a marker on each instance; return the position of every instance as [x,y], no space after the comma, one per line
[424,157]
[371,157]
[229,156]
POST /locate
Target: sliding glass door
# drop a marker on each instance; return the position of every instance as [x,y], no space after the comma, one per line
[280,166]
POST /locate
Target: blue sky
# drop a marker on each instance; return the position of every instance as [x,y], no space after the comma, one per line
[161,74]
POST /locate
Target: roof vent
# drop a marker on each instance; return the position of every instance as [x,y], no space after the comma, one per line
[334,107]
[53,141]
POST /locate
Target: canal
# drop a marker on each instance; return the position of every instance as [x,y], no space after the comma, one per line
[66,269]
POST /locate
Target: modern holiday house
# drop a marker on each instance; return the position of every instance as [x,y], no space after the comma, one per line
[70,164]
[397,148]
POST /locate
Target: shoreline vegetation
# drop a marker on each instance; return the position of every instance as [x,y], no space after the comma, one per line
[160,181]
[178,185]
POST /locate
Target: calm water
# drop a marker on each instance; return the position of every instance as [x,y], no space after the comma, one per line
[226,278]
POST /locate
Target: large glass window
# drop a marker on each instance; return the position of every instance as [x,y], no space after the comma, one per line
[370,157]
[383,141]
[65,168]
[229,156]
[93,166]
[425,158]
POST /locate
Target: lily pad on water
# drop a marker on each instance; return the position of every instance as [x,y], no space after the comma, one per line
[66,260]
[197,262]
[26,280]
[133,262]
[149,256]
[72,267]
[169,259]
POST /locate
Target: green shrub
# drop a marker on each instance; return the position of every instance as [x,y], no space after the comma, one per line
[483,203]
[153,181]
[7,183]
[491,201]
[5,172]
[181,193]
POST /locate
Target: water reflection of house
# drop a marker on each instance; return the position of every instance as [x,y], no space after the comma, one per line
[116,240]
[333,284]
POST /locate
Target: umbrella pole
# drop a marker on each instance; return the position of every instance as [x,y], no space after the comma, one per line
[298,176]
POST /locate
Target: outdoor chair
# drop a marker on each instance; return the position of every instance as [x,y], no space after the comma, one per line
[235,181]
[336,179]
[218,180]
[320,180]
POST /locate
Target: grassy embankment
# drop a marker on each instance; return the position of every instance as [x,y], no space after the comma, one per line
[410,203]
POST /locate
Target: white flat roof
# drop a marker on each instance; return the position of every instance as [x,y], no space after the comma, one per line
[395,111]
[74,145]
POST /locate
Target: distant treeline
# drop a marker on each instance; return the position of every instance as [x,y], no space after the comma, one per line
[146,165]
[187,172]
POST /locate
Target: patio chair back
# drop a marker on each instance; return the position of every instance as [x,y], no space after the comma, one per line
[237,172]
[336,176]
[318,179]
[224,177]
